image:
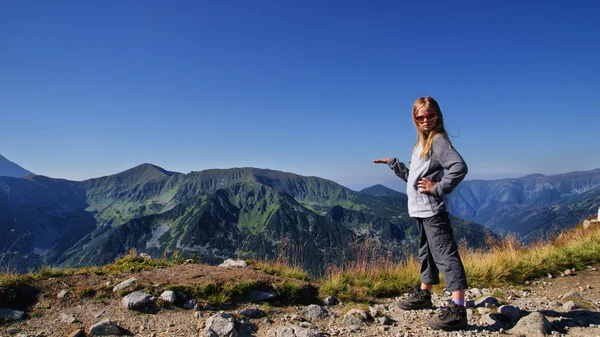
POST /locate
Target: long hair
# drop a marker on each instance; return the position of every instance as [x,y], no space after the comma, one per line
[426,140]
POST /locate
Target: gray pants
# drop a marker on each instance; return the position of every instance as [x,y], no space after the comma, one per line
[438,252]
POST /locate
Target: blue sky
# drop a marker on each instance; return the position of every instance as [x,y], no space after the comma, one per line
[92,88]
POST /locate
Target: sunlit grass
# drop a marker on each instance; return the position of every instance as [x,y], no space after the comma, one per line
[504,262]
[278,268]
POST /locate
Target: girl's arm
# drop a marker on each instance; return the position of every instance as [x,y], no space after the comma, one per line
[452,162]
[399,168]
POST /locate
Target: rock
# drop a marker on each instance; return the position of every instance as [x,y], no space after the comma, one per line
[191,304]
[357,317]
[168,296]
[99,314]
[489,300]
[105,328]
[205,306]
[125,284]
[567,272]
[297,318]
[137,300]
[68,319]
[12,315]
[180,294]
[483,311]
[549,275]
[145,256]
[258,296]
[532,325]
[231,263]
[385,320]
[513,313]
[330,300]
[572,294]
[61,294]
[475,292]
[586,224]
[570,305]
[491,320]
[307,325]
[77,333]
[220,325]
[292,330]
[252,313]
[378,310]
[314,312]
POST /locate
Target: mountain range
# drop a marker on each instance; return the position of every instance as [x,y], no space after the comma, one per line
[261,214]
[533,207]
[213,214]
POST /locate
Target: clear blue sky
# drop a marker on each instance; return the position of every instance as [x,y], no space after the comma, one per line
[91,88]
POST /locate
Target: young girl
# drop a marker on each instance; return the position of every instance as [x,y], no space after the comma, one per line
[426,188]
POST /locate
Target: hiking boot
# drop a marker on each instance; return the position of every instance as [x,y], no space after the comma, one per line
[416,300]
[450,318]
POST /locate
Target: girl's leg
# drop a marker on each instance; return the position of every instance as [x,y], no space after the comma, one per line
[444,251]
[458,295]
[430,273]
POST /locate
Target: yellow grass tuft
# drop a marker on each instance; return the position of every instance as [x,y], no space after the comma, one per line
[280,268]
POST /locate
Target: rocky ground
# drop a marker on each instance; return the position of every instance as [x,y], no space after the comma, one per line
[554,306]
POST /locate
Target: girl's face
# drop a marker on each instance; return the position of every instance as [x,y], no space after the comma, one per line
[426,120]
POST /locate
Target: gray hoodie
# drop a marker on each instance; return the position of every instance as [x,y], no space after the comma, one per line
[443,156]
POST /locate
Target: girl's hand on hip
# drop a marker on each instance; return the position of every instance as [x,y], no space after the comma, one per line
[425,185]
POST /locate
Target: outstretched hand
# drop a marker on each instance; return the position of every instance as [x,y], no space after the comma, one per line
[381,161]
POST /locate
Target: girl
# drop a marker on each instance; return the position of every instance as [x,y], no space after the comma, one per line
[427,187]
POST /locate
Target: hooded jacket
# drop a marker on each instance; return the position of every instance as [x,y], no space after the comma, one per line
[442,157]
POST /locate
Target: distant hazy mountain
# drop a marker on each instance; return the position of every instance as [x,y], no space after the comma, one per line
[531,206]
[215,214]
[10,169]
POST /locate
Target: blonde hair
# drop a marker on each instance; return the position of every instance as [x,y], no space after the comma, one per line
[426,140]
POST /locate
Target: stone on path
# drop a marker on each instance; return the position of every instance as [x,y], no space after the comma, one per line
[125,284]
[220,325]
[105,328]
[532,325]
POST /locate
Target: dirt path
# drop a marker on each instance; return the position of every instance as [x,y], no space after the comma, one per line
[47,317]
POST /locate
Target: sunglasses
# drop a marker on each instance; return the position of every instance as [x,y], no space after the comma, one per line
[429,115]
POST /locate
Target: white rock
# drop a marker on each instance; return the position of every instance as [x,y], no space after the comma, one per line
[168,296]
[231,263]
[124,284]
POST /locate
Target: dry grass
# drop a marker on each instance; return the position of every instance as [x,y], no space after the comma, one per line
[505,262]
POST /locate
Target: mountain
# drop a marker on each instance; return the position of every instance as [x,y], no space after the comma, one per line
[533,206]
[380,190]
[214,214]
[10,169]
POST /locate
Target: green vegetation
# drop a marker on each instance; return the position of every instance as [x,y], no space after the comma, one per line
[279,268]
[289,291]
[217,293]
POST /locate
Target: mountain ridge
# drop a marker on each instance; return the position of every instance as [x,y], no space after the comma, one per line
[11,169]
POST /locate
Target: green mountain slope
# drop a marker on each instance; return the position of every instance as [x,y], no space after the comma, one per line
[214,214]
